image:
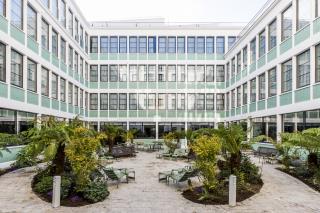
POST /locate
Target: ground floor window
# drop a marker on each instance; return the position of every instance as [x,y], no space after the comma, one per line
[144,130]
[167,127]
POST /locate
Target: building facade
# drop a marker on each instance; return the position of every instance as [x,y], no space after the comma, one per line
[157,77]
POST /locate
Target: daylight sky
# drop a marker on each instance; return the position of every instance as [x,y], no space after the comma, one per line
[171,10]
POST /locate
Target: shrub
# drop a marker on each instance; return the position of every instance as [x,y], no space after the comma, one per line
[170,141]
[95,192]
[45,185]
[250,170]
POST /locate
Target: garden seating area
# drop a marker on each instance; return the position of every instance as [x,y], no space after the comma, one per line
[148,146]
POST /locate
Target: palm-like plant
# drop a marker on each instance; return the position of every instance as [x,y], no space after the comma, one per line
[233,143]
[309,140]
[8,140]
[110,134]
[130,135]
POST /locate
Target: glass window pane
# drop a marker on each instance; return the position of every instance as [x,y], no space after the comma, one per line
[2,62]
[16,69]
[104,74]
[286,24]
[32,76]
[162,44]
[103,44]
[191,44]
[286,76]
[17,14]
[304,13]
[45,82]
[273,34]
[181,45]
[303,69]
[210,45]
[32,23]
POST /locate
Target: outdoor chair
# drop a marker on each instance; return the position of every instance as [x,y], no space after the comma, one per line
[118,174]
[163,152]
[164,175]
[182,176]
[180,153]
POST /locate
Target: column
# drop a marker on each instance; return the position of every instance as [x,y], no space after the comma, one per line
[250,128]
[157,130]
[279,127]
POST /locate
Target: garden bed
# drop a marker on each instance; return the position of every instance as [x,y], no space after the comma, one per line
[305,180]
[222,199]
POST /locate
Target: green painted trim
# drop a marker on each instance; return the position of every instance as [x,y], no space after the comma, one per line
[286,45]
[93,113]
[272,102]
[143,113]
[143,56]
[152,85]
[133,85]
[122,114]
[152,113]
[3,90]
[181,85]
[103,56]
[244,72]
[316,91]
[219,56]
[152,56]
[94,56]
[55,61]
[172,56]
[244,109]
[45,101]
[94,85]
[261,105]
[253,107]
[123,56]
[32,98]
[238,110]
[33,45]
[210,114]
[3,24]
[133,113]
[302,35]
[221,85]
[191,56]
[45,54]
[104,113]
[210,56]
[272,54]
[55,104]
[201,56]
[222,114]
[63,67]
[70,108]
[17,34]
[316,26]
[253,67]
[142,85]
[286,99]
[181,56]
[63,106]
[262,61]
[301,95]
[17,93]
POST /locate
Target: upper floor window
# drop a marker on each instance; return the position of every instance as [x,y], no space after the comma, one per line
[171,44]
[94,73]
[210,45]
[16,69]
[220,102]
[44,82]
[63,50]
[113,44]
[142,44]
[220,73]
[3,8]
[103,101]
[262,87]
[104,73]
[286,23]
[220,45]
[239,62]
[70,93]
[70,22]
[262,43]
[304,13]
[152,73]
[191,72]
[238,96]
[133,73]
[253,51]
[253,92]
[54,86]
[318,63]
[245,94]
[181,45]
[62,11]
[200,73]
[200,45]
[17,13]
[44,35]
[272,79]
[231,41]
[70,57]
[303,69]
[152,44]
[103,44]
[2,62]
[93,44]
[191,44]
[162,44]
[209,73]
[62,89]
[93,101]
[76,29]
[54,8]
[210,101]
[286,76]
[245,57]
[114,76]
[122,44]
[273,34]
[172,73]
[86,41]
[133,44]
[181,73]
[32,76]
[32,23]
[54,43]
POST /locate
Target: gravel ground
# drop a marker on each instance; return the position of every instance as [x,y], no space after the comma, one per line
[280,193]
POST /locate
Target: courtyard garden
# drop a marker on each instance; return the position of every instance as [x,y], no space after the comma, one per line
[114,171]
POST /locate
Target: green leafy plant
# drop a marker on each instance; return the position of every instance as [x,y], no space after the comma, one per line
[45,185]
[110,134]
[308,140]
[232,138]
[130,135]
[9,140]
[95,192]
[206,149]
[170,141]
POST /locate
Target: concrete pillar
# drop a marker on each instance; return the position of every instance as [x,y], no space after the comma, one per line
[157,130]
[232,190]
[250,128]
[279,127]
[56,191]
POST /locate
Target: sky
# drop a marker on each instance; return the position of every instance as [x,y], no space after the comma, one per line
[171,10]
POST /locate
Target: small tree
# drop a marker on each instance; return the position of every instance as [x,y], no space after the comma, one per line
[232,138]
[170,141]
[206,149]
[110,134]
[130,135]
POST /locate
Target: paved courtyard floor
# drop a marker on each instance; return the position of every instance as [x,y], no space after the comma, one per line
[280,193]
